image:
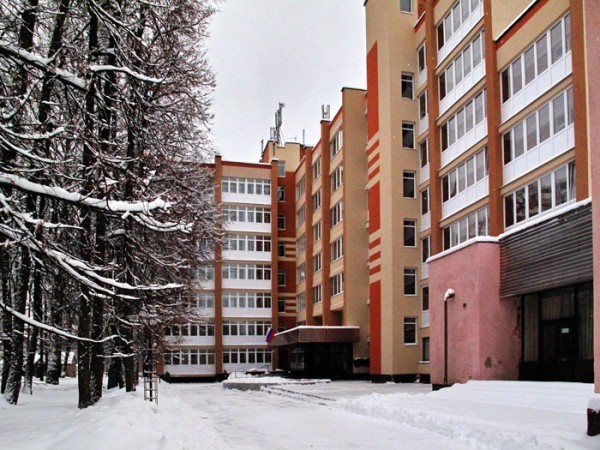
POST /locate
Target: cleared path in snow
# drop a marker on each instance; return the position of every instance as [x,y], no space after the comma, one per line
[479,414]
[267,421]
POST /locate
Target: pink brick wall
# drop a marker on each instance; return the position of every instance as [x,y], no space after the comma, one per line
[483,329]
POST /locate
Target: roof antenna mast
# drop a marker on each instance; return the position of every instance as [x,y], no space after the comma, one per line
[276,133]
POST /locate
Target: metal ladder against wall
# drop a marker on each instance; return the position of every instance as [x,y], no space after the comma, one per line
[150,376]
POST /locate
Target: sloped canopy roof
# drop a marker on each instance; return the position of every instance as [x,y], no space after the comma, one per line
[316,334]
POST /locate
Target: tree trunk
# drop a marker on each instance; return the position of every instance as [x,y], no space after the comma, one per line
[84,349]
[97,363]
[115,374]
[53,367]
[66,360]
[37,315]
[30,360]
[41,368]
[53,364]
[130,372]
[15,372]
[14,365]
[7,322]
[53,370]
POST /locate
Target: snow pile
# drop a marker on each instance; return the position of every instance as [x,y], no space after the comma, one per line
[594,403]
[271,380]
[256,383]
[257,380]
[50,419]
[493,414]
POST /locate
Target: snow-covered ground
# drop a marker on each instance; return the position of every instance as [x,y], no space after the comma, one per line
[354,414]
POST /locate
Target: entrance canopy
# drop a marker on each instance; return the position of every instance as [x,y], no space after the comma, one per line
[316,334]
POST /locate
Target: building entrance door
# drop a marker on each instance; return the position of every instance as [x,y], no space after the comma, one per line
[559,341]
[557,335]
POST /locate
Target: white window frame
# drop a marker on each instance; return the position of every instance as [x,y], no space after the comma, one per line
[516,139]
[410,272]
[317,231]
[316,200]
[410,322]
[336,143]
[524,192]
[337,249]
[316,169]
[318,262]
[337,213]
[406,6]
[480,171]
[408,132]
[300,187]
[409,177]
[407,83]
[409,224]
[317,293]
[300,216]
[425,201]
[507,84]
[337,177]
[337,284]
[300,273]
[466,228]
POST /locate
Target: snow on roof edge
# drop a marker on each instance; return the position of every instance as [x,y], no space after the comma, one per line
[318,327]
[528,224]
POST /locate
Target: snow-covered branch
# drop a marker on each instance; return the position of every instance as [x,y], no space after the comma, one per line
[43,64]
[55,330]
[23,152]
[155,225]
[59,193]
[127,70]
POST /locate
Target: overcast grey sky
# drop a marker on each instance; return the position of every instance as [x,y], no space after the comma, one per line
[298,52]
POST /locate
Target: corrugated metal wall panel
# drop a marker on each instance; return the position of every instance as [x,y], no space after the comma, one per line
[551,254]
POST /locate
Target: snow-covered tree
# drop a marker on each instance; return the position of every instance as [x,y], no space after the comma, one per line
[103,195]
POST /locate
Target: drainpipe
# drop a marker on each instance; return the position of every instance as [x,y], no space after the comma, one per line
[448,296]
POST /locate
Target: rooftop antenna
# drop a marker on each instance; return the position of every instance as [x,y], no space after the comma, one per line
[325,112]
[276,134]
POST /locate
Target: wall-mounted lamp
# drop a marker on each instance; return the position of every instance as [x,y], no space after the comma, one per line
[447,296]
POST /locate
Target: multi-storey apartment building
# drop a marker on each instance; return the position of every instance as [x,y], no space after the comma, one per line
[331,249]
[498,100]
[477,115]
[397,133]
[249,286]
[447,233]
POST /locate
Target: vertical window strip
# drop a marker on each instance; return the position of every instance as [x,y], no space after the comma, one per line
[465,175]
[461,123]
[457,15]
[462,65]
